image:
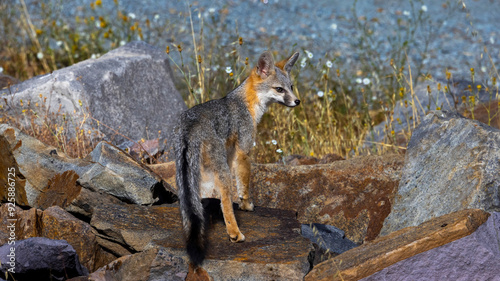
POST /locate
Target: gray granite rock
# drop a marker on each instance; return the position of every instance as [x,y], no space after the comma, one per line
[129,90]
[452,163]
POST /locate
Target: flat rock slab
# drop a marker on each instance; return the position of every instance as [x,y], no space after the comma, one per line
[354,195]
[474,257]
[452,163]
[274,248]
[374,256]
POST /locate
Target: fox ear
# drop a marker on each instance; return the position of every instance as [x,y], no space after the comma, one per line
[291,61]
[265,66]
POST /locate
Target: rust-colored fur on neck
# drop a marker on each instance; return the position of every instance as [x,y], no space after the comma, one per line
[251,98]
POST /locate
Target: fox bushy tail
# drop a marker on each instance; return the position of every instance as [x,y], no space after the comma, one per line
[188,179]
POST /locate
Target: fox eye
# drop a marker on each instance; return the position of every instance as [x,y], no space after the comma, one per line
[279,89]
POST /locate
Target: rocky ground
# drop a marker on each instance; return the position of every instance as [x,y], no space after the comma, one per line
[431,214]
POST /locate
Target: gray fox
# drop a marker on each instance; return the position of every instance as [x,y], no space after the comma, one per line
[214,138]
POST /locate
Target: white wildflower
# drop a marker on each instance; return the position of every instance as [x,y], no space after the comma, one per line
[156,17]
[483,69]
[279,150]
[93,56]
[39,55]
[303,62]
[122,42]
[424,8]
[333,26]
[229,70]
[1,69]
[366,81]
[211,10]
[320,94]
[309,54]
[374,98]
[274,142]
[98,24]
[59,43]
[359,80]
[406,13]
[131,15]
[254,144]
[492,40]
[329,64]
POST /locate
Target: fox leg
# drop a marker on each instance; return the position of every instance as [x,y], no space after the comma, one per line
[242,171]
[223,182]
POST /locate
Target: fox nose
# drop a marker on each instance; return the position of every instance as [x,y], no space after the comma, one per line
[297,102]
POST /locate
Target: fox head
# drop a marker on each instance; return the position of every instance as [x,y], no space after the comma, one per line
[270,83]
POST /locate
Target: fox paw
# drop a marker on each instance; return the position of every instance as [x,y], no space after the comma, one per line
[246,205]
[237,238]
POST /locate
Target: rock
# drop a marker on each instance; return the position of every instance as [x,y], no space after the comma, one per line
[85,203]
[126,229]
[55,223]
[11,179]
[474,257]
[59,224]
[295,160]
[354,195]
[403,118]
[36,163]
[167,172]
[43,172]
[374,256]
[451,164]
[7,81]
[123,177]
[61,190]
[129,90]
[273,247]
[150,265]
[330,240]
[42,259]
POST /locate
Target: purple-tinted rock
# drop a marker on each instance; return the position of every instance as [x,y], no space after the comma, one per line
[40,259]
[474,257]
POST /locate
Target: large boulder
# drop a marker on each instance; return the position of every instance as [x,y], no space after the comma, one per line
[41,259]
[474,257]
[128,90]
[385,251]
[354,195]
[451,164]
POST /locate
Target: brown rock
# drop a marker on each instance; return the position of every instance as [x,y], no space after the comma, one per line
[354,195]
[296,160]
[11,177]
[373,256]
[27,223]
[60,225]
[61,190]
[273,247]
[85,203]
[166,171]
[129,228]
[55,223]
